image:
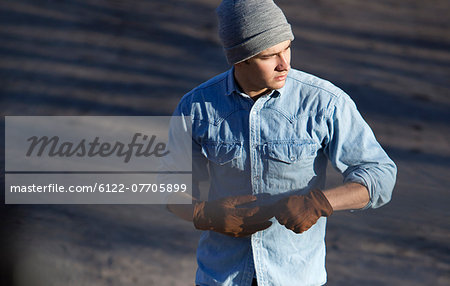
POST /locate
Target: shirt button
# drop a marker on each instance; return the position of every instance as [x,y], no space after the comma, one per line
[292,158]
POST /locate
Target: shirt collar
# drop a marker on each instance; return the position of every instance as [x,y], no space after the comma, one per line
[233,87]
[231,83]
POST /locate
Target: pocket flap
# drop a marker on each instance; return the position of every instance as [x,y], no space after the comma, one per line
[290,152]
[222,153]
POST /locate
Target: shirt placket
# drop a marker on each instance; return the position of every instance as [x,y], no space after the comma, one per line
[256,176]
[254,142]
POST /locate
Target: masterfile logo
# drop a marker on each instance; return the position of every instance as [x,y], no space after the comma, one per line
[54,147]
[96,159]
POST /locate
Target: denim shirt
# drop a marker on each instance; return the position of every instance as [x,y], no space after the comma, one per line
[276,146]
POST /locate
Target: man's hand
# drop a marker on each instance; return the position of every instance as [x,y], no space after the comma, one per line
[299,212]
[225,216]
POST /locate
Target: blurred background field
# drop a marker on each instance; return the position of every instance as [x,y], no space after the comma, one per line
[110,57]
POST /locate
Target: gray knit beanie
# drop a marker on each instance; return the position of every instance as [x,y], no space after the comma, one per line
[248,27]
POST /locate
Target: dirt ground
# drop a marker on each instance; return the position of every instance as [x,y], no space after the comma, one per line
[110,57]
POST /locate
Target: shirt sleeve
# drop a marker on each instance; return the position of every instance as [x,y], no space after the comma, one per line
[354,151]
[185,152]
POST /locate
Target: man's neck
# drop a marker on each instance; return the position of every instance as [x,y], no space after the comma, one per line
[257,95]
[253,94]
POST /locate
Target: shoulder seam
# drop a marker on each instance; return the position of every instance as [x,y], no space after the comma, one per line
[318,87]
[200,87]
[211,84]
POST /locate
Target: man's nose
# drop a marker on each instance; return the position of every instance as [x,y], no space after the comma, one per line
[283,62]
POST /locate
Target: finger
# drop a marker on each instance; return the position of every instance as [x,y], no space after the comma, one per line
[281,220]
[233,234]
[303,225]
[295,220]
[309,221]
[305,228]
[266,211]
[239,200]
[261,226]
[241,233]
[258,217]
[301,228]
[255,228]
[282,217]
[272,209]
[293,223]
[297,230]
[246,212]
[256,225]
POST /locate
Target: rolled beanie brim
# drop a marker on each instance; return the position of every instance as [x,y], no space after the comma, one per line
[258,43]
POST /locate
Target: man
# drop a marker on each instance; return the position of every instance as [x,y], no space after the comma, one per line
[263,134]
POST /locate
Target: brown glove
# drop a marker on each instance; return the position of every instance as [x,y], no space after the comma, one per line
[224,216]
[299,212]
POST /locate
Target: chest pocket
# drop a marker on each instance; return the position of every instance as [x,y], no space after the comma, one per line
[291,152]
[290,164]
[224,154]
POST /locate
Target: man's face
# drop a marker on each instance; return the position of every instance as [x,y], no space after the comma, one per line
[265,71]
